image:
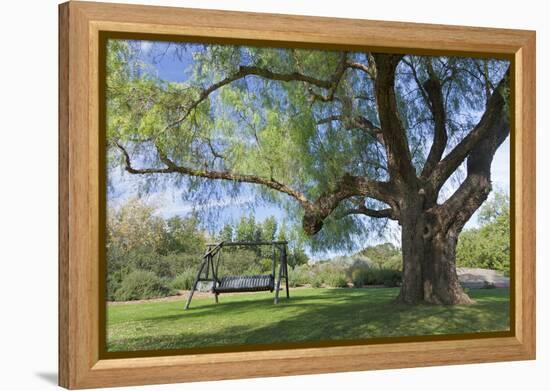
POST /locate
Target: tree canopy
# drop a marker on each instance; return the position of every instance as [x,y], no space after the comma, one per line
[329,135]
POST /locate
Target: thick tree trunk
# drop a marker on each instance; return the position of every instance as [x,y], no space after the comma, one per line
[429,269]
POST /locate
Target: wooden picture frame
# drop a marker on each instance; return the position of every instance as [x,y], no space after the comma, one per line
[81,364]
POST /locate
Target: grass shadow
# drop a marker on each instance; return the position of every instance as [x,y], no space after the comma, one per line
[327,315]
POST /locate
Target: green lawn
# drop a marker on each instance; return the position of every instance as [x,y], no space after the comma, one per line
[309,315]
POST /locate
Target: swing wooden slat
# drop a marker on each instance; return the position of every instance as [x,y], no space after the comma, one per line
[255,283]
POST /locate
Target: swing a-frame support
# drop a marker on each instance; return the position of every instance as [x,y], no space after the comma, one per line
[208,272]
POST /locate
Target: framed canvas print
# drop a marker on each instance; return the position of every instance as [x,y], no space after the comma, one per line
[300,194]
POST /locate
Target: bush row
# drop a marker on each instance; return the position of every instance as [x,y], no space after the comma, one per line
[372,276]
[338,276]
[146,276]
[141,284]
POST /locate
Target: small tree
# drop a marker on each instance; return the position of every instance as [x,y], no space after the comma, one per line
[134,226]
[183,235]
[226,234]
[269,229]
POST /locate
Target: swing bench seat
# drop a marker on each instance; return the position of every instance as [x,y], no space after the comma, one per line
[256,283]
[208,272]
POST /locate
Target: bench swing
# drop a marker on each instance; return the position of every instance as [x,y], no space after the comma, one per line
[208,272]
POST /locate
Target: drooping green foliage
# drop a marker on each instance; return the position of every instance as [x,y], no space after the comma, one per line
[488,247]
[291,131]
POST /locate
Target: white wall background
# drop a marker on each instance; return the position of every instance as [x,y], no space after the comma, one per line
[28,196]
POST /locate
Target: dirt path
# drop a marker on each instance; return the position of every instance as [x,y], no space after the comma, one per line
[477,278]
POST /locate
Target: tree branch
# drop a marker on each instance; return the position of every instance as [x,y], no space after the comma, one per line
[334,81]
[395,139]
[433,90]
[459,208]
[265,73]
[315,212]
[417,80]
[357,122]
[294,76]
[454,213]
[363,210]
[490,123]
[362,67]
[172,167]
[216,154]
[348,186]
[128,164]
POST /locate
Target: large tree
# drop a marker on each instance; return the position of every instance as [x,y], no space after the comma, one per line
[342,139]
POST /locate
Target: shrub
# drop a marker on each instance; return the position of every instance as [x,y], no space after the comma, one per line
[182,262]
[111,288]
[337,280]
[300,275]
[488,285]
[389,283]
[266,266]
[339,275]
[183,280]
[114,280]
[141,284]
[292,283]
[317,281]
[333,275]
[252,270]
[359,277]
[390,278]
[324,274]
[147,260]
[386,277]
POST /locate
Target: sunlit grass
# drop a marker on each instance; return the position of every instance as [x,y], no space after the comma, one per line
[310,315]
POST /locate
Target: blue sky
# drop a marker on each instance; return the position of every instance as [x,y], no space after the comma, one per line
[169,200]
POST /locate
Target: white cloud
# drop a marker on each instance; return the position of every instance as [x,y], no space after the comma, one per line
[169,206]
[145,46]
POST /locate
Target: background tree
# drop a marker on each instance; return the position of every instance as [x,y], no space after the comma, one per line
[183,235]
[489,245]
[384,255]
[144,248]
[495,207]
[226,234]
[269,229]
[342,140]
[135,226]
[246,230]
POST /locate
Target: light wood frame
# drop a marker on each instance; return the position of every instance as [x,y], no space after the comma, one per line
[80,364]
